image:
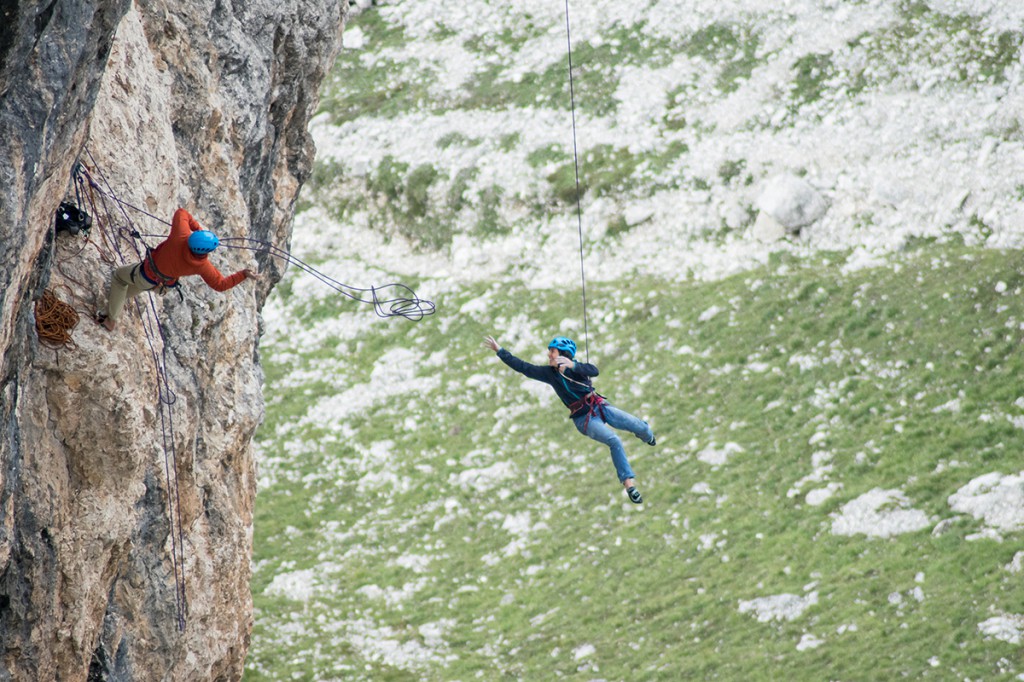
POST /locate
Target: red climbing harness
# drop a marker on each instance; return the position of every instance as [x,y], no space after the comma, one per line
[593,403]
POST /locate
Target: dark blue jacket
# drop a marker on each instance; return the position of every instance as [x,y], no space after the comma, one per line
[570,388]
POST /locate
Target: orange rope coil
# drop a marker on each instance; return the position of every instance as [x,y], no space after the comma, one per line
[54,321]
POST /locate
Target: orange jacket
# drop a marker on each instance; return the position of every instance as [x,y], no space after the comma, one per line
[173,258]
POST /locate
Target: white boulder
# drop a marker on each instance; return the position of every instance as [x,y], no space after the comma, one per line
[790,201]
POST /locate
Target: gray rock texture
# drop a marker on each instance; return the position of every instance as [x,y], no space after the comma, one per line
[126,467]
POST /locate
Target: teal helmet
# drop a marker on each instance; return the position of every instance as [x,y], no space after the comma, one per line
[202,242]
[562,344]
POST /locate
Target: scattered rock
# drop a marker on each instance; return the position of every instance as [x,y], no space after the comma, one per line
[1006,628]
[779,607]
[944,526]
[767,229]
[634,215]
[879,513]
[809,641]
[996,499]
[791,201]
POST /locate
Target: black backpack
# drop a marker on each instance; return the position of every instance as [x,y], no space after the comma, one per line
[72,219]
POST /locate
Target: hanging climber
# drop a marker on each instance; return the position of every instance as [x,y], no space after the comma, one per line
[590,412]
[184,252]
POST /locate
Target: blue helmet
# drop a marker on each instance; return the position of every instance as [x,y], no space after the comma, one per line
[560,343]
[202,242]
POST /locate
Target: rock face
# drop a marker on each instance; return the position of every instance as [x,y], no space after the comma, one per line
[125,459]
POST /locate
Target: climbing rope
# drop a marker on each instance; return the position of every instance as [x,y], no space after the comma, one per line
[88,191]
[112,252]
[576,166]
[116,228]
[54,321]
[167,399]
[388,300]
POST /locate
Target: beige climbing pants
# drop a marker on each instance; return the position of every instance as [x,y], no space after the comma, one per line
[126,283]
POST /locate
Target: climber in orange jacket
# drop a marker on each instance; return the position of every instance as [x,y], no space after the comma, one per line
[183,253]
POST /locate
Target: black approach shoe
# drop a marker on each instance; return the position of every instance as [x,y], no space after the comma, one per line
[634,495]
[652,441]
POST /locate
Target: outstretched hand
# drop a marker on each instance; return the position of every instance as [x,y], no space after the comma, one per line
[492,343]
[251,274]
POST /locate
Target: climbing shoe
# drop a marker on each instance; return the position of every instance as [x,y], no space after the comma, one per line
[104,321]
[634,495]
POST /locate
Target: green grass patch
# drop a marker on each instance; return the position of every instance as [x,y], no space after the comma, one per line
[489,220]
[456,138]
[603,170]
[595,77]
[929,37]
[403,196]
[812,74]
[386,87]
[733,47]
[509,141]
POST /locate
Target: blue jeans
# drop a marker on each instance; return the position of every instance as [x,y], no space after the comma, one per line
[599,430]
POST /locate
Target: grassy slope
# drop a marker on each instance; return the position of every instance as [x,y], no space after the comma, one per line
[656,591]
[505,582]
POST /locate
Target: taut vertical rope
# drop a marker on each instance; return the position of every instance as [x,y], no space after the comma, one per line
[576,164]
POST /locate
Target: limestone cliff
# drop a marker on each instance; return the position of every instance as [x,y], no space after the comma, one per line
[199,104]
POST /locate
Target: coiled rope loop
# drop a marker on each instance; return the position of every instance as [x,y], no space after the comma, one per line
[54,321]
